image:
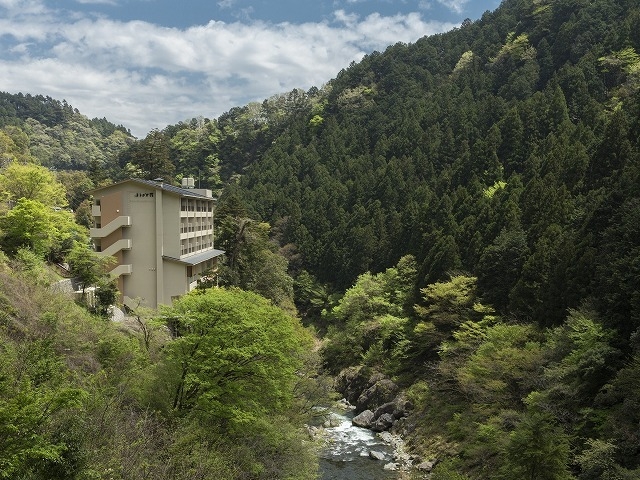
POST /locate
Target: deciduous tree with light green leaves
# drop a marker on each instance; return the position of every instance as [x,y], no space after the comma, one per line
[87,266]
[234,359]
[33,225]
[32,182]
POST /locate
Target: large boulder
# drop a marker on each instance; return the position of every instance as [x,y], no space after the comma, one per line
[363,419]
[381,391]
[351,381]
[382,423]
[402,406]
[388,407]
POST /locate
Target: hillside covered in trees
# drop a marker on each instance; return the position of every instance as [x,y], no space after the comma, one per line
[461,214]
[487,179]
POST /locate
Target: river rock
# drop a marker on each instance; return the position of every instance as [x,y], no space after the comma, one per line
[402,406]
[314,432]
[382,391]
[382,423]
[351,381]
[343,404]
[386,437]
[363,419]
[375,455]
[426,466]
[391,466]
[388,407]
[332,420]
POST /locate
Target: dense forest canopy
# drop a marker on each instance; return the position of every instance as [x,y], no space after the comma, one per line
[507,148]
[461,214]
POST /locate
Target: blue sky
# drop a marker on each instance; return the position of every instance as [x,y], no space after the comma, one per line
[150,63]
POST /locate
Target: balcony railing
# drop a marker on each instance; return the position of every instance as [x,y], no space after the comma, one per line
[121,270]
[122,221]
[123,244]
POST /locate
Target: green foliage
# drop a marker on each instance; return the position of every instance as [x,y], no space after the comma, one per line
[78,395]
[448,304]
[106,295]
[597,461]
[316,121]
[584,358]
[14,146]
[34,404]
[501,369]
[151,156]
[59,137]
[31,182]
[369,320]
[621,400]
[491,191]
[45,231]
[83,214]
[28,262]
[517,47]
[197,150]
[87,266]
[310,296]
[500,267]
[234,358]
[447,471]
[252,262]
[445,307]
[465,61]
[76,184]
[536,449]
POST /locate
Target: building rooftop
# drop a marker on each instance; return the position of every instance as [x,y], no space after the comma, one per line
[197,257]
[159,185]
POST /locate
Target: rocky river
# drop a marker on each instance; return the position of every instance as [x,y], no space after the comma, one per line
[368,445]
[347,453]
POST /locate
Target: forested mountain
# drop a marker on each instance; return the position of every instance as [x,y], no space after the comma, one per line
[488,179]
[518,131]
[57,135]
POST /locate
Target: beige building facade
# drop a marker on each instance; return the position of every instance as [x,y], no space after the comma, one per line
[161,237]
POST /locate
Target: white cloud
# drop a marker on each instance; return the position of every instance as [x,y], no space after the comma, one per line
[97,2]
[456,6]
[147,76]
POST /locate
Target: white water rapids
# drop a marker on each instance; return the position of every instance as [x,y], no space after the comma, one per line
[346,454]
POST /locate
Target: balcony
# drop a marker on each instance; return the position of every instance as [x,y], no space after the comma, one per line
[124,244]
[132,303]
[122,221]
[121,270]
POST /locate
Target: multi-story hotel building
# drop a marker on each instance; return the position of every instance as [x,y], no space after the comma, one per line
[160,235]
